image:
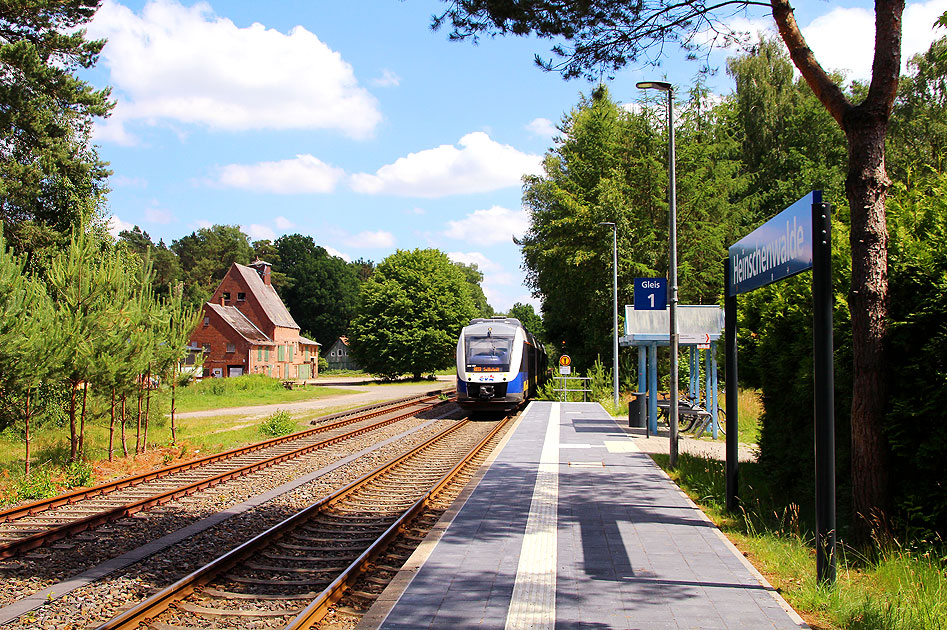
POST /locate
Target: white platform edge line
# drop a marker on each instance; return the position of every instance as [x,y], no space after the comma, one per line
[389,598]
[729,545]
[533,604]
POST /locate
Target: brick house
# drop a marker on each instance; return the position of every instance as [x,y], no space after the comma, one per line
[246,329]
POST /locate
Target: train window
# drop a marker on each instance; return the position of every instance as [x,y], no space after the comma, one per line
[485,352]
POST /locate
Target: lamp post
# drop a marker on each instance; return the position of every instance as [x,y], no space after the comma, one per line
[615,307]
[664,86]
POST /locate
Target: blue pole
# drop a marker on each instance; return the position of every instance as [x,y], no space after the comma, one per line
[707,395]
[642,368]
[713,361]
[653,389]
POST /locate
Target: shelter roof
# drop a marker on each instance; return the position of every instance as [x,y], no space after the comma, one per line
[654,326]
[232,316]
[267,297]
[308,342]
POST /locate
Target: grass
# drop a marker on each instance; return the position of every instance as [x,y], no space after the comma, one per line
[241,391]
[52,472]
[888,587]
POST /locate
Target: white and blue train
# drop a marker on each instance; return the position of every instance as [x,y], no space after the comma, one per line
[499,364]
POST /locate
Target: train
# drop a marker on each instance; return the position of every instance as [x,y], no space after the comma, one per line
[500,364]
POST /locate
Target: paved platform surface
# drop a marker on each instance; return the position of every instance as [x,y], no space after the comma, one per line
[573,527]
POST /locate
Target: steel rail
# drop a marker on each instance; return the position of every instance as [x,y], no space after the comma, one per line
[319,607]
[160,601]
[370,411]
[108,515]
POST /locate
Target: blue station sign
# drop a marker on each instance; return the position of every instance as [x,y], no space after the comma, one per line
[779,248]
[651,294]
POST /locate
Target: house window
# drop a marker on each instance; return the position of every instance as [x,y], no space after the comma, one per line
[281,353]
[259,353]
[291,348]
[226,296]
[189,359]
[266,354]
[206,348]
[206,321]
[241,297]
[231,347]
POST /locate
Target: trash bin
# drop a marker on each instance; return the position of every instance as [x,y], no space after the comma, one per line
[638,410]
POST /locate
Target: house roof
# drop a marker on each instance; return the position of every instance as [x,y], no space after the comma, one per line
[232,316]
[267,297]
[309,342]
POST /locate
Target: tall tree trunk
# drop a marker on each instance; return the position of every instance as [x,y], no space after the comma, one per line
[866,187]
[112,425]
[27,434]
[174,379]
[73,440]
[138,422]
[144,441]
[85,394]
[124,440]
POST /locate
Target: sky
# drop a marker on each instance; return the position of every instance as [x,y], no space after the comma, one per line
[354,123]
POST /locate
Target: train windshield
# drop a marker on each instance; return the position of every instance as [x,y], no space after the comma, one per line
[488,353]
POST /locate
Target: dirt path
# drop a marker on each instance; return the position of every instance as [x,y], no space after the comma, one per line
[362,393]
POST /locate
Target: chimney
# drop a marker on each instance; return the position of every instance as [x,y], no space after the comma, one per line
[263,268]
[223,302]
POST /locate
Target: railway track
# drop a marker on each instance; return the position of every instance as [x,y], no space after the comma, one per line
[40,523]
[292,574]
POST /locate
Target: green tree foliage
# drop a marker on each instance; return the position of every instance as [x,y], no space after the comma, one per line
[410,312]
[610,165]
[917,221]
[27,354]
[529,318]
[167,270]
[474,278]
[46,114]
[918,133]
[789,143]
[205,256]
[321,290]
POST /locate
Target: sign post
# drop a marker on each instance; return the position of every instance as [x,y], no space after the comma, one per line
[796,239]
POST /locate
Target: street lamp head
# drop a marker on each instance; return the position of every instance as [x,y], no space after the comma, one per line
[664,86]
[606,223]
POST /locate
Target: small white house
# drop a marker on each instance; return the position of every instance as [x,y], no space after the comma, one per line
[338,356]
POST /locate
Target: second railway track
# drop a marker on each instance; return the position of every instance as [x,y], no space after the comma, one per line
[40,523]
[292,574]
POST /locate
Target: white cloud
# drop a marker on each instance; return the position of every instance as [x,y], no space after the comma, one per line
[258,232]
[334,252]
[484,264]
[480,165]
[496,278]
[188,65]
[379,239]
[387,79]
[416,210]
[203,223]
[283,223]
[123,181]
[542,127]
[488,227]
[304,174]
[854,52]
[159,216]
[116,225]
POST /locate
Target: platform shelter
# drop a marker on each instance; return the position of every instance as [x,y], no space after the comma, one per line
[699,328]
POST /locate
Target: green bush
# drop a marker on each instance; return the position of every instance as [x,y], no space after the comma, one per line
[79,474]
[277,424]
[228,386]
[38,485]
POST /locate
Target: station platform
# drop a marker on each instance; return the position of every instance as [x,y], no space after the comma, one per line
[572,527]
